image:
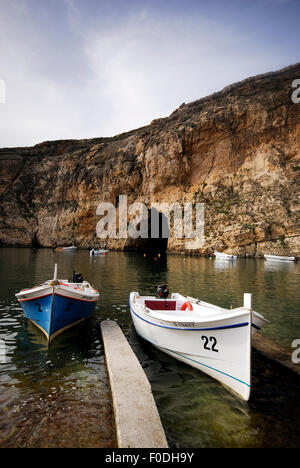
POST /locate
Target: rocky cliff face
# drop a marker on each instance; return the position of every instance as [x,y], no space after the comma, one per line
[237,151]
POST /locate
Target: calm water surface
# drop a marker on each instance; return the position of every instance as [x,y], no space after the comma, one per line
[60,397]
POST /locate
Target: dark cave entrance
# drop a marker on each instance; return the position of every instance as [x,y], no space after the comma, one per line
[35,242]
[158,236]
[158,233]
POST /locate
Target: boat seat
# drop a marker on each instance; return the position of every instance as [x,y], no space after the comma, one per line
[160,305]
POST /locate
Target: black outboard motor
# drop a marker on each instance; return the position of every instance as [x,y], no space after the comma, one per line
[77,277]
[162,291]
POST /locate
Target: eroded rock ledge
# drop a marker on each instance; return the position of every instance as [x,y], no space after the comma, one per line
[237,151]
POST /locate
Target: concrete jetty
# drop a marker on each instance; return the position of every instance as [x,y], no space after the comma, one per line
[137,420]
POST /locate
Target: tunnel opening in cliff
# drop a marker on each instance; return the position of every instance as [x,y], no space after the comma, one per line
[158,232]
[35,242]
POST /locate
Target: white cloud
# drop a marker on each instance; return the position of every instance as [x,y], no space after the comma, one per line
[147,68]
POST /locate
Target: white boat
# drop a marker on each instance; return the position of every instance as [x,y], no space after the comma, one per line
[280,258]
[71,248]
[98,252]
[214,340]
[224,256]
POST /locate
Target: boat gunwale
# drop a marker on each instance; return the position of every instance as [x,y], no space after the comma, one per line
[90,291]
[202,324]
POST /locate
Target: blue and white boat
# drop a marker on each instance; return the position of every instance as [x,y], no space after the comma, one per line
[58,305]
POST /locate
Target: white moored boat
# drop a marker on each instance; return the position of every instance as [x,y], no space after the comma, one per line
[280,258]
[71,248]
[224,256]
[214,340]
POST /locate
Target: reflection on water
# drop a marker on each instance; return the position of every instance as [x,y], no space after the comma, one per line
[44,390]
[276,266]
[220,264]
[60,396]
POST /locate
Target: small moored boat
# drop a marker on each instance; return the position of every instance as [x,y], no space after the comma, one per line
[98,252]
[58,305]
[71,248]
[280,258]
[214,340]
[224,256]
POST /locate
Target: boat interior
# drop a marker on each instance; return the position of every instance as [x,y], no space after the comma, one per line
[177,303]
[185,308]
[158,304]
[182,307]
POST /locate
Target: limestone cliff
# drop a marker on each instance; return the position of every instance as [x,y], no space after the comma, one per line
[237,151]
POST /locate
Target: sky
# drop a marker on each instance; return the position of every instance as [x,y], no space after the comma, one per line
[96,68]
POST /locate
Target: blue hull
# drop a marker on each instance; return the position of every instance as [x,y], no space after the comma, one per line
[54,313]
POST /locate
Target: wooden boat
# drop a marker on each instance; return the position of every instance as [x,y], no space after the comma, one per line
[224,256]
[280,258]
[71,248]
[98,252]
[58,305]
[214,340]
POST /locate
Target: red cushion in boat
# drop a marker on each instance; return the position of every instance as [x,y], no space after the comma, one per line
[160,305]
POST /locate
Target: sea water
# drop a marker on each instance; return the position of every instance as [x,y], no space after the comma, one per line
[60,396]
